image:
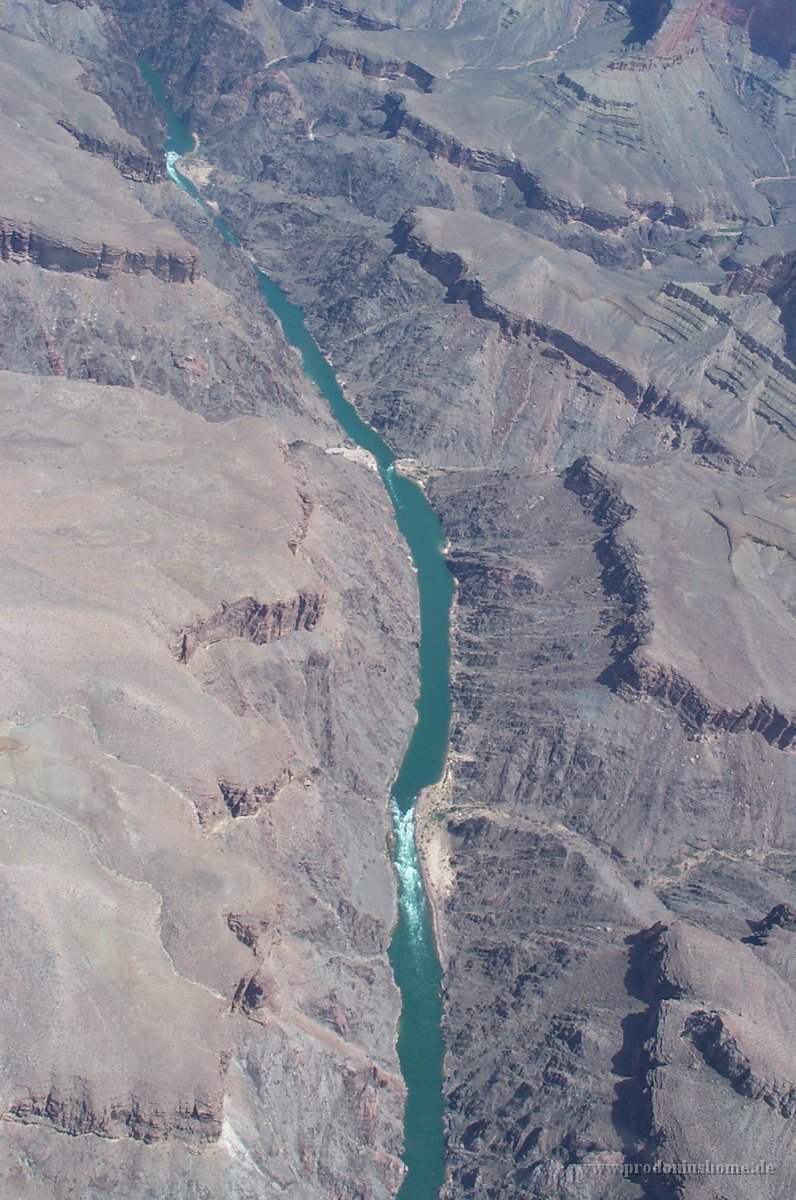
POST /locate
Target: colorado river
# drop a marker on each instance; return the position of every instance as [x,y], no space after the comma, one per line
[413,955]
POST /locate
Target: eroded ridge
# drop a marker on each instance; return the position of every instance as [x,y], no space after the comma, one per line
[660,649]
[20,243]
[718,1018]
[254,622]
[75,1112]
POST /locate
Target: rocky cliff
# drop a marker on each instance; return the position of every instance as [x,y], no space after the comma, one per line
[19,244]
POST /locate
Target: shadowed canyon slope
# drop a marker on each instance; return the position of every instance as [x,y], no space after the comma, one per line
[549,245]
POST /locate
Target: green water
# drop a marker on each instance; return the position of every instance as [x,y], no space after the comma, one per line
[413,955]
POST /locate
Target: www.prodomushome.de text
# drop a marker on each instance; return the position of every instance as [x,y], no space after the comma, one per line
[691,1170]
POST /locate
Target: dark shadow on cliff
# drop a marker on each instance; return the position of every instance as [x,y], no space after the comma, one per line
[631,1112]
[772,28]
[646,18]
[784,296]
[781,916]
[775,277]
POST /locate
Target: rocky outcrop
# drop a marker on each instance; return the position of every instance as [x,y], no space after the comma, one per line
[507,284]
[130,162]
[194,364]
[247,801]
[734,1030]
[24,243]
[739,1028]
[635,677]
[633,674]
[778,403]
[73,1111]
[622,579]
[253,994]
[781,916]
[440,144]
[252,621]
[372,66]
[563,92]
[775,278]
[453,272]
[249,929]
[720,1049]
[361,20]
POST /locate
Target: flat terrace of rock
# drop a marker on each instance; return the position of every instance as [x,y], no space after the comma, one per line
[661,336]
[713,600]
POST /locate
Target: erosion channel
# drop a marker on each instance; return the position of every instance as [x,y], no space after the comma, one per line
[413,954]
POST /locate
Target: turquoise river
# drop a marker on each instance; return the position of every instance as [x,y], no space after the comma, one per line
[413,954]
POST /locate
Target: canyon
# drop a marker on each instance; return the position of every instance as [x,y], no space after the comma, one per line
[204,597]
[549,250]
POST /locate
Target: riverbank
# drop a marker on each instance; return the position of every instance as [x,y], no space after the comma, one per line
[433,849]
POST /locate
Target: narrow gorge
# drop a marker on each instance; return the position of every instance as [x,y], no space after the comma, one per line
[413,954]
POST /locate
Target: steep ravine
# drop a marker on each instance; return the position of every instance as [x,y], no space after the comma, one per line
[413,954]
